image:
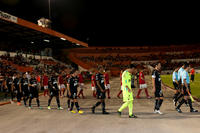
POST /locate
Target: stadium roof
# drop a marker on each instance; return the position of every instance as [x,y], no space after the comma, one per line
[14,29]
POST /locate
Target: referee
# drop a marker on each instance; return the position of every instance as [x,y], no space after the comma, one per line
[186,89]
[176,85]
[180,71]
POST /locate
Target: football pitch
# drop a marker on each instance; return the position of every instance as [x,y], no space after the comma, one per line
[195,86]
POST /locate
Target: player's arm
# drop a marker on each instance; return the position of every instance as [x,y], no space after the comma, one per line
[129,89]
[176,81]
[31,85]
[5,84]
[58,79]
[93,82]
[99,86]
[20,87]
[153,84]
[185,83]
[12,86]
[68,87]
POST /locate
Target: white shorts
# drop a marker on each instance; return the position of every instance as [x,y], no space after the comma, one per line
[94,88]
[143,86]
[45,87]
[121,88]
[81,86]
[62,86]
[107,86]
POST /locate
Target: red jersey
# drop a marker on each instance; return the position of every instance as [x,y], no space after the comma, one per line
[45,80]
[141,77]
[80,78]
[60,80]
[93,81]
[192,71]
[106,78]
[38,79]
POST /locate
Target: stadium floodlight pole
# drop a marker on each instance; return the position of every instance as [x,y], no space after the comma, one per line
[49,1]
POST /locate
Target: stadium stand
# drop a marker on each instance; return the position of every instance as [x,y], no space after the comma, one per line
[116,58]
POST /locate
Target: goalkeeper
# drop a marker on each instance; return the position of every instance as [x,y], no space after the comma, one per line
[127,91]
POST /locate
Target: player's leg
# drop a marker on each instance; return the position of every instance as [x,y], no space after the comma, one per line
[30,101]
[103,106]
[94,91]
[80,92]
[130,107]
[159,100]
[68,101]
[37,99]
[38,102]
[63,90]
[124,105]
[126,99]
[72,106]
[107,87]
[120,92]
[25,97]
[180,104]
[96,105]
[82,87]
[77,106]
[156,106]
[46,90]
[18,97]
[98,102]
[185,93]
[138,94]
[146,91]
[190,102]
[49,101]
[12,96]
[58,101]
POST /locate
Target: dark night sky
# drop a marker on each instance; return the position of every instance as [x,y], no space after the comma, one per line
[115,23]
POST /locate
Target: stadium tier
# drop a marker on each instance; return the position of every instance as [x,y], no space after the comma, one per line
[117,58]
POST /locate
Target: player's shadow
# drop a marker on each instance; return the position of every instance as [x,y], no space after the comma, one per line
[171,116]
[150,115]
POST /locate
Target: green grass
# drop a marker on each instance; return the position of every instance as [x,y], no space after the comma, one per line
[195,86]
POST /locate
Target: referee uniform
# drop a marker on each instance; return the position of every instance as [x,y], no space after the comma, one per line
[186,90]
